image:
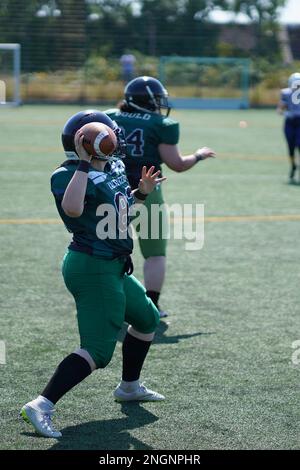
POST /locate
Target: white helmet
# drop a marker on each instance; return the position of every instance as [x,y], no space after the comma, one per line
[294,80]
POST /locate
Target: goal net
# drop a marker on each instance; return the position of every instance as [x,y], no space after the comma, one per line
[10,74]
[206,82]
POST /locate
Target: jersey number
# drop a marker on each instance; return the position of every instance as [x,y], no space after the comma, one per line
[136,140]
[122,207]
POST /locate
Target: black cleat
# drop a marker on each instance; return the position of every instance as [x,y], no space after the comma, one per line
[292,174]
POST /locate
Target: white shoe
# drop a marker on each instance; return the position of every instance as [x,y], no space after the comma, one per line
[162,314]
[40,420]
[142,393]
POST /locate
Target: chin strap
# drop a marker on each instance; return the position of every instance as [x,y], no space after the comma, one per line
[102,159]
[109,158]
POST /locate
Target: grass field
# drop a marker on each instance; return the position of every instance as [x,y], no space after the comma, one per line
[223,357]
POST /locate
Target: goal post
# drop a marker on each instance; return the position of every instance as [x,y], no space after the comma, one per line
[10,71]
[206,82]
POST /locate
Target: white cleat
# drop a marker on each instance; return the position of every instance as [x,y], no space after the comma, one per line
[162,314]
[40,420]
[142,393]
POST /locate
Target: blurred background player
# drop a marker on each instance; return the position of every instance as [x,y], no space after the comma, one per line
[290,106]
[152,138]
[128,66]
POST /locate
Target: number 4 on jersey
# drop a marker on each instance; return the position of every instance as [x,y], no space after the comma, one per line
[136,140]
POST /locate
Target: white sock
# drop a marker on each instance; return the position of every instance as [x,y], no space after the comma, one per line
[129,386]
[42,403]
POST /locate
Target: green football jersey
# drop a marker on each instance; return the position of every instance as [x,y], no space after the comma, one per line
[102,229]
[144,132]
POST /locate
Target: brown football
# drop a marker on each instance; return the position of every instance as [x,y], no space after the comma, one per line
[99,140]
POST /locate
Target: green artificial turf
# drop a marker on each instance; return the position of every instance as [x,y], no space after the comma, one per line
[222,357]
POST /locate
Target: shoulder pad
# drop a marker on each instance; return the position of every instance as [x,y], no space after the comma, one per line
[59,170]
[169,122]
[111,111]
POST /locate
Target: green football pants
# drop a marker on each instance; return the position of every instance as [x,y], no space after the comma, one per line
[151,246]
[105,298]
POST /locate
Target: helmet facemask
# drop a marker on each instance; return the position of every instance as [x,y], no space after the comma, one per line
[160,101]
[120,151]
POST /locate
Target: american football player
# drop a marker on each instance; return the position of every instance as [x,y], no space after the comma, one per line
[152,139]
[97,270]
[289,104]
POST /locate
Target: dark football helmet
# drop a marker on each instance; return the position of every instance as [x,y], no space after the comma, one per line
[147,94]
[78,120]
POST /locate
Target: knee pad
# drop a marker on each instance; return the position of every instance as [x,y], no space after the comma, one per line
[150,321]
[153,247]
[101,352]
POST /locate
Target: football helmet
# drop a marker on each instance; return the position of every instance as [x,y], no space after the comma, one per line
[294,80]
[81,118]
[147,94]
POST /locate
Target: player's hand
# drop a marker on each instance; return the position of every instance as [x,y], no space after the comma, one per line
[81,152]
[279,110]
[149,180]
[204,153]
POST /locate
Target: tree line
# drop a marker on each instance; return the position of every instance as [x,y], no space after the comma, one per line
[63,34]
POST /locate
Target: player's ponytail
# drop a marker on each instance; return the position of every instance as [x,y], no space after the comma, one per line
[125,107]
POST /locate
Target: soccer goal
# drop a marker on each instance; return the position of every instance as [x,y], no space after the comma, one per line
[206,82]
[10,69]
